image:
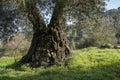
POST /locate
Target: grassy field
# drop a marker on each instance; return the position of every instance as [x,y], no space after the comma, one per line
[85,64]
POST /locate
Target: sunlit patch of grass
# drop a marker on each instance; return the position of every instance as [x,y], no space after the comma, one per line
[94,57]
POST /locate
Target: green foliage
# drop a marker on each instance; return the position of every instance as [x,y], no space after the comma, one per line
[85,64]
[115,15]
[94,31]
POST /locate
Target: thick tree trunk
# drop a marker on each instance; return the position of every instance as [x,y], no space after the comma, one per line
[49,45]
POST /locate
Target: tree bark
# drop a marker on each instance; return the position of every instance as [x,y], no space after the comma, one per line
[49,45]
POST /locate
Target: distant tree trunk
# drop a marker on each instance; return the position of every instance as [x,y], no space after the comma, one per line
[49,45]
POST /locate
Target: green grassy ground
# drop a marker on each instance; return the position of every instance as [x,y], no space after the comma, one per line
[85,64]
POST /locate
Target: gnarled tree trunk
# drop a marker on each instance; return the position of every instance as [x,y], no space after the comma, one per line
[49,45]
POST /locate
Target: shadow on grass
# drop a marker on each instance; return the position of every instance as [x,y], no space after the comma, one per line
[16,66]
[100,72]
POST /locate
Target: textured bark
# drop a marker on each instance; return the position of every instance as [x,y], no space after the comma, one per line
[49,44]
[59,45]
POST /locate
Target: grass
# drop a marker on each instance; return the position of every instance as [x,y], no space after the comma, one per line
[85,64]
